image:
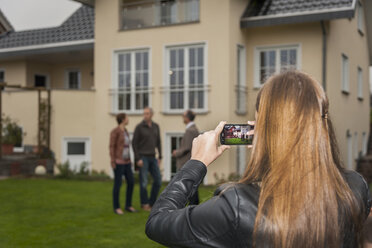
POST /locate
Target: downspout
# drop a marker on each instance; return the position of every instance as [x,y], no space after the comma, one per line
[324,55]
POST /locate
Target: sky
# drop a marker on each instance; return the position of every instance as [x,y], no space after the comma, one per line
[31,14]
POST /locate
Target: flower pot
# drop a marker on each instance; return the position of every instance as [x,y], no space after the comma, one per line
[7,149]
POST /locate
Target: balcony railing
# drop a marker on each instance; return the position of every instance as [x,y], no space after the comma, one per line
[154,13]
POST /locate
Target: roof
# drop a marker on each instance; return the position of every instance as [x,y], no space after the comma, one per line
[274,12]
[78,27]
[5,23]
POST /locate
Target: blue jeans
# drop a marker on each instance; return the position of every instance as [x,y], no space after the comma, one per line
[119,171]
[150,164]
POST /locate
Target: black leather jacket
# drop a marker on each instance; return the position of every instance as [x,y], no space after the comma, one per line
[226,220]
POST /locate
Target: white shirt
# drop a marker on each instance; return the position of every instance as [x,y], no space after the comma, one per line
[189,124]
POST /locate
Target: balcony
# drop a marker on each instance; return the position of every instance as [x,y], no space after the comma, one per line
[155,13]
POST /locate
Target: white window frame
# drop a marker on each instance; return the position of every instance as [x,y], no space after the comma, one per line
[67,78]
[257,59]
[365,143]
[345,81]
[360,17]
[166,90]
[356,145]
[115,81]
[360,83]
[349,142]
[167,158]
[241,159]
[88,147]
[241,85]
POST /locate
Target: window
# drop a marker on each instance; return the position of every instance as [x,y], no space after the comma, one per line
[269,61]
[360,13]
[76,148]
[2,75]
[345,74]
[241,89]
[185,80]
[356,147]
[73,79]
[349,138]
[40,81]
[241,159]
[154,13]
[365,143]
[172,142]
[360,83]
[131,91]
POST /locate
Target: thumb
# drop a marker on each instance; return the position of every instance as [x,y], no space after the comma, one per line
[222,148]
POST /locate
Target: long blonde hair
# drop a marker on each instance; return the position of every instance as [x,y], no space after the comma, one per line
[304,199]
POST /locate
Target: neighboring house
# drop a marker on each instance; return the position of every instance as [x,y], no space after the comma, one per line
[174,55]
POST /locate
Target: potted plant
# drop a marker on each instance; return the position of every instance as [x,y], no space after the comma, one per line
[12,135]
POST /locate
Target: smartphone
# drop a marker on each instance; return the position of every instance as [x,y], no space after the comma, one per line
[236,134]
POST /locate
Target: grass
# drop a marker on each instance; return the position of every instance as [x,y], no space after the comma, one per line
[70,213]
[237,141]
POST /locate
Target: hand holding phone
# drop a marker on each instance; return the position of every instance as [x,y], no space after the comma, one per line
[237,134]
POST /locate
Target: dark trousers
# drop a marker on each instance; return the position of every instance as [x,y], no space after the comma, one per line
[150,164]
[119,171]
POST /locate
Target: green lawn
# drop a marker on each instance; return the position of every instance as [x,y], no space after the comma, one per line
[69,213]
[234,141]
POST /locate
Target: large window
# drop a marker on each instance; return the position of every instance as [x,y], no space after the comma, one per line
[271,60]
[185,79]
[345,74]
[153,13]
[131,91]
[360,16]
[2,75]
[241,88]
[360,83]
[73,79]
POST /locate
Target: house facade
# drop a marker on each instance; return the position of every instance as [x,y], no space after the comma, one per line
[186,54]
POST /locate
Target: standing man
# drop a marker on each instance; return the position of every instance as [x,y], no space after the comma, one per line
[146,138]
[183,153]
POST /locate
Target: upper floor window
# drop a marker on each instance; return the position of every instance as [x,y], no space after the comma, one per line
[73,79]
[2,75]
[131,91]
[185,86]
[360,17]
[345,74]
[269,61]
[241,88]
[360,83]
[152,13]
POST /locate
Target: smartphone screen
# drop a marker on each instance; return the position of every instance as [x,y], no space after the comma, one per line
[236,134]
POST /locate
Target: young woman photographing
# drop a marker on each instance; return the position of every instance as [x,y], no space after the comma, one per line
[294,192]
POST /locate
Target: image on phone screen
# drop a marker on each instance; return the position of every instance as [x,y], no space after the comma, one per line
[236,134]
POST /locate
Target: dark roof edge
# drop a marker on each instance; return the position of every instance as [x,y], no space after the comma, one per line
[6,22]
[6,53]
[86,2]
[299,18]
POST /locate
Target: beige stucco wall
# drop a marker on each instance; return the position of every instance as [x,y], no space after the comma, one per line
[212,30]
[22,107]
[348,113]
[15,72]
[72,116]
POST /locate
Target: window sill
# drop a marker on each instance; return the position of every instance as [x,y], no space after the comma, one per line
[360,99]
[178,112]
[345,92]
[240,112]
[129,113]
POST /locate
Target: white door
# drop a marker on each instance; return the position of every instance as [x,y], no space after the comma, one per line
[172,142]
[76,150]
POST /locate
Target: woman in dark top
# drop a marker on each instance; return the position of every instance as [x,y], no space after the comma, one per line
[294,192]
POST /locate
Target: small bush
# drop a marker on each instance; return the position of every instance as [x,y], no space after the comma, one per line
[66,172]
